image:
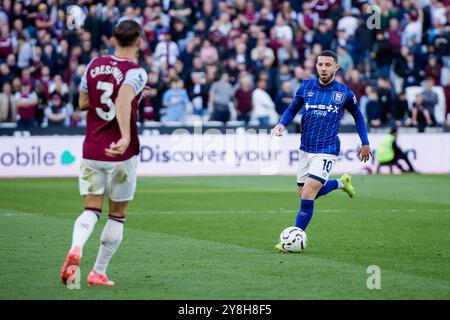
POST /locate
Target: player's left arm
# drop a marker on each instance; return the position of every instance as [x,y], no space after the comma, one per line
[351,104]
[134,83]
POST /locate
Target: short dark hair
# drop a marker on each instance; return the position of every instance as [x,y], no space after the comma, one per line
[127,32]
[328,53]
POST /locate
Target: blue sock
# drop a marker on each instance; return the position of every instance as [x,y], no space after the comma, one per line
[329,186]
[304,214]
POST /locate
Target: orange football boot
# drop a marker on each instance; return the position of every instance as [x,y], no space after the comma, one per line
[72,259]
[95,279]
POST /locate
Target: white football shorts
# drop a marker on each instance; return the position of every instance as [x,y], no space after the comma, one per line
[314,165]
[115,179]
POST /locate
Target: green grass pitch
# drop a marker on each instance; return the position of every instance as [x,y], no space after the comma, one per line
[214,237]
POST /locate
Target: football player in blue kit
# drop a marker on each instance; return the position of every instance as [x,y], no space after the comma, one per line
[322,102]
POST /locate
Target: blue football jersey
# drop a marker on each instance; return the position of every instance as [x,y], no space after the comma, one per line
[323,107]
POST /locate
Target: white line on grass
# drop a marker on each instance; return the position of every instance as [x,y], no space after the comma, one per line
[15,214]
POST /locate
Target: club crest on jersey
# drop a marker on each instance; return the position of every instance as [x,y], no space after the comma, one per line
[338,97]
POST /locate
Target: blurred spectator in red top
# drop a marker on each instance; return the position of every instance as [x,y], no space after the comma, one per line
[322,6]
[250,12]
[42,19]
[44,80]
[356,83]
[433,70]
[26,103]
[5,43]
[394,36]
[243,99]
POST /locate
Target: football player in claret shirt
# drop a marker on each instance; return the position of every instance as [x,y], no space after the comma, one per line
[322,101]
[110,90]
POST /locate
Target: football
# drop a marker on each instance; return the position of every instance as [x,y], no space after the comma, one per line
[293,239]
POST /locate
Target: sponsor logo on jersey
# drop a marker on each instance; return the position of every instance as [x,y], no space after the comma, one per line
[329,108]
[310,94]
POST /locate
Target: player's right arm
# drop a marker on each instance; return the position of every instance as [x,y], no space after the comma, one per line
[290,112]
[123,115]
[83,100]
[134,83]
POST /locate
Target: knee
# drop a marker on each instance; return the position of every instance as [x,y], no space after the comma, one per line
[309,193]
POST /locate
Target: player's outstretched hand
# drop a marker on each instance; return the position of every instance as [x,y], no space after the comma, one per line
[364,153]
[278,130]
[117,148]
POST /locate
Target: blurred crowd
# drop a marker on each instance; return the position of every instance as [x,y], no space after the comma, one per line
[234,60]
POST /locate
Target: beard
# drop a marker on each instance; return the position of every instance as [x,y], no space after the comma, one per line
[326,78]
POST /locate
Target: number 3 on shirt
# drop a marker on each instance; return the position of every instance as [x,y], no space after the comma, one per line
[105,98]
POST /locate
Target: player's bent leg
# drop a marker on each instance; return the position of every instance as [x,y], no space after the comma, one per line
[311,188]
[110,240]
[328,187]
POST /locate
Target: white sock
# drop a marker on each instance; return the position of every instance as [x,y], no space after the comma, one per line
[340,184]
[83,228]
[109,242]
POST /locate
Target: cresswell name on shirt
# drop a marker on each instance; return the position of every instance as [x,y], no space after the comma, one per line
[107,69]
[322,109]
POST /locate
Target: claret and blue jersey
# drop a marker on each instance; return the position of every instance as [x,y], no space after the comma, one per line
[322,108]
